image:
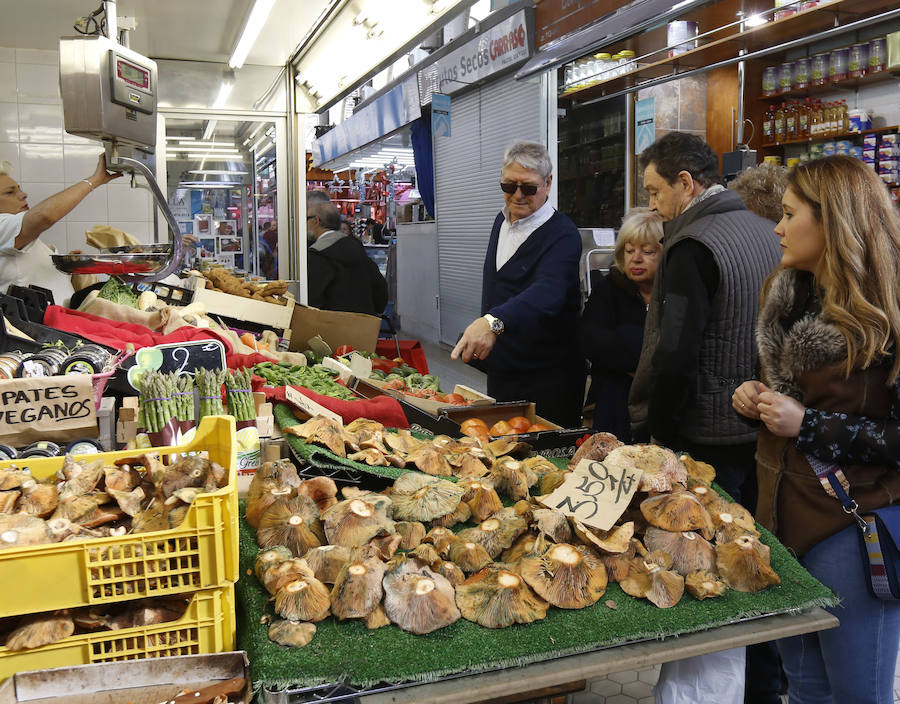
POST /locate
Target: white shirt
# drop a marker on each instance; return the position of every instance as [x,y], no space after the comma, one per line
[30,265]
[513,234]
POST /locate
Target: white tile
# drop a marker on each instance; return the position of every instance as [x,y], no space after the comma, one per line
[40,162]
[141,230]
[40,123]
[127,203]
[75,139]
[80,160]
[37,83]
[9,122]
[47,57]
[76,230]
[56,236]
[93,208]
[38,191]
[7,54]
[9,151]
[7,82]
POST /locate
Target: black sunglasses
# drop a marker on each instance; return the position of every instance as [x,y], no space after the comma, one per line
[528,189]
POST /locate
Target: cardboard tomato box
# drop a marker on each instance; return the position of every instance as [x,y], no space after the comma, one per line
[434,407]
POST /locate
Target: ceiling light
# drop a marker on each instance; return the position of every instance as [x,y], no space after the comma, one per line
[215,172]
[219,102]
[210,156]
[198,143]
[259,143]
[210,128]
[755,21]
[176,138]
[255,21]
[265,149]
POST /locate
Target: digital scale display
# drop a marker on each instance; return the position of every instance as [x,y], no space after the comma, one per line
[132,74]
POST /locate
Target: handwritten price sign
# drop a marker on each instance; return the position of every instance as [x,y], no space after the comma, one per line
[595,494]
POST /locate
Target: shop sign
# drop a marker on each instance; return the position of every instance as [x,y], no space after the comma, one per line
[38,408]
[497,48]
[440,115]
[644,124]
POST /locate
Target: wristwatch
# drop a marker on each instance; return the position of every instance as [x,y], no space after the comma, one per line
[495,323]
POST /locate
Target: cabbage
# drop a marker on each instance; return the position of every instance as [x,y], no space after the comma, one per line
[117,292]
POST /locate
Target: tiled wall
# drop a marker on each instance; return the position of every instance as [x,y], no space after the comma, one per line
[46,160]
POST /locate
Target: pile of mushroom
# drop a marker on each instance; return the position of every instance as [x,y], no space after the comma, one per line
[428,551]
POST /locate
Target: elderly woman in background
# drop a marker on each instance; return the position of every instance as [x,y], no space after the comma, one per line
[829,401]
[761,189]
[611,331]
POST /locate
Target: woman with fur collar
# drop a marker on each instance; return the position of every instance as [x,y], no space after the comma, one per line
[829,402]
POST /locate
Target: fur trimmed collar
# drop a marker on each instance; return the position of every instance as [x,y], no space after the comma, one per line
[788,349]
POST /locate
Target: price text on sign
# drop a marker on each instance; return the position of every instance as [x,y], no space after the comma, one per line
[595,494]
[308,406]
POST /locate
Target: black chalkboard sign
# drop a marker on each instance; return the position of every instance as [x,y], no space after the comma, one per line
[181,358]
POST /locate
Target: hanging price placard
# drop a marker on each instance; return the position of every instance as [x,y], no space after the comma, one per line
[595,494]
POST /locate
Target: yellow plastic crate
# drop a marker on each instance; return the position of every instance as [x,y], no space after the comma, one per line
[208,626]
[200,553]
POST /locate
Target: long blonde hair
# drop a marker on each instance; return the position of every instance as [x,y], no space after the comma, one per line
[861,261]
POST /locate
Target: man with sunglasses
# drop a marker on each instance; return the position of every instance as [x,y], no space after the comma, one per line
[530,296]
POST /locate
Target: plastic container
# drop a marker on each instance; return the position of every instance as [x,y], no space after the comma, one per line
[819,69]
[785,76]
[789,8]
[837,70]
[877,54]
[801,73]
[793,161]
[858,61]
[859,120]
[199,554]
[770,81]
[771,159]
[681,37]
[207,626]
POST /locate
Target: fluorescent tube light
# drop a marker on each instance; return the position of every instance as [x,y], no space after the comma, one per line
[219,102]
[215,172]
[210,128]
[258,16]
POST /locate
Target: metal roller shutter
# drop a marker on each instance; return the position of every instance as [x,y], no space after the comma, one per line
[467,195]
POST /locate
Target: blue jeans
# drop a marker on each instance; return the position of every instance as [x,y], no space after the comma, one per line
[853,663]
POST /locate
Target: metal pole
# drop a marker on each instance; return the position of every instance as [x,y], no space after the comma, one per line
[112,22]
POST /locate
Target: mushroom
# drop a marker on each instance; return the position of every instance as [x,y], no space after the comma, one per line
[321,431]
[281,471]
[615,540]
[256,507]
[710,499]
[523,545]
[496,598]
[363,433]
[322,490]
[85,509]
[468,556]
[292,633]
[417,599]
[81,478]
[494,534]
[508,446]
[595,448]
[153,518]
[662,470]
[430,460]
[666,587]
[39,630]
[481,499]
[8,500]
[426,554]
[744,564]
[402,442]
[637,581]
[732,521]
[620,566]
[376,618]
[553,524]
[659,558]
[440,538]
[39,500]
[541,466]
[190,471]
[460,515]
[470,467]
[678,512]
[525,509]
[567,576]
[512,478]
[124,478]
[293,523]
[276,576]
[701,471]
[11,479]
[357,588]
[270,557]
[451,572]
[305,599]
[353,522]
[18,530]
[386,545]
[411,533]
[129,501]
[552,481]
[326,561]
[689,551]
[371,457]
[703,585]
[418,497]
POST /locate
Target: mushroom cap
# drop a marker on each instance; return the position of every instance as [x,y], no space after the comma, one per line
[512,478]
[354,522]
[8,500]
[744,564]
[326,561]
[39,630]
[494,534]
[291,633]
[460,515]
[20,530]
[430,460]
[441,539]
[322,490]
[540,465]
[471,467]
[269,557]
[482,499]
[357,588]
[522,546]
[677,512]
[495,598]
[613,541]
[130,501]
[321,431]
[568,576]
[42,499]
[418,497]
[703,585]
[417,599]
[304,599]
[553,524]
[701,471]
[552,481]
[293,523]
[595,448]
[14,478]
[689,551]
[451,572]
[369,456]
[259,504]
[734,513]
[411,533]
[376,618]
[666,588]
[386,545]
[662,470]
[712,501]
[468,556]
[426,554]
[276,576]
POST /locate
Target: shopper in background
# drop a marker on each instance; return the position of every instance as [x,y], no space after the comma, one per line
[828,334]
[317,196]
[761,188]
[346,227]
[530,297]
[24,259]
[341,275]
[612,324]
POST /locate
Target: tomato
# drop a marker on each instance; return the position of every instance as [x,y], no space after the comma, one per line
[519,423]
[473,422]
[456,399]
[501,427]
[396,384]
[536,428]
[342,350]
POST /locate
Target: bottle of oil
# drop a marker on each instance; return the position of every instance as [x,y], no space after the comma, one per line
[803,110]
[780,124]
[815,119]
[768,136]
[790,121]
[844,118]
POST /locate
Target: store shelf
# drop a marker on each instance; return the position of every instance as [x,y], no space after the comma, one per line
[729,44]
[607,139]
[831,86]
[832,137]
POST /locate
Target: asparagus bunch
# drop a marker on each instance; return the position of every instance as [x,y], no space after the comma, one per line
[240,395]
[209,384]
[184,398]
[156,407]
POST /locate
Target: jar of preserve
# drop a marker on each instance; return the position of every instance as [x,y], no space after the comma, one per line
[858,61]
[785,77]
[819,69]
[877,52]
[770,81]
[801,73]
[838,68]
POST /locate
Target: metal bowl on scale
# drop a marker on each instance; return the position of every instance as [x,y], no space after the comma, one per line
[139,259]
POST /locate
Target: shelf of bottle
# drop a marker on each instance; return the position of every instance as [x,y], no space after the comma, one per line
[607,139]
[830,87]
[831,137]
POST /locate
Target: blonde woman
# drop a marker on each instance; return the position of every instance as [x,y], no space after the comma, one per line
[611,331]
[829,400]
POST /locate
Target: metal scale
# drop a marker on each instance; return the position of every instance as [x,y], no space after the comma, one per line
[109,93]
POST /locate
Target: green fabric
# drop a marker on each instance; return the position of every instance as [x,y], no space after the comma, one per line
[346,651]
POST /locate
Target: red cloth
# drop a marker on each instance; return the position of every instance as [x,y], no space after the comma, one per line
[240,361]
[384,409]
[411,352]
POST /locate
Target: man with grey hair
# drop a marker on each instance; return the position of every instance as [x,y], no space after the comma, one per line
[341,274]
[530,296]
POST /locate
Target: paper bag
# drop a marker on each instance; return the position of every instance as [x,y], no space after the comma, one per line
[52,408]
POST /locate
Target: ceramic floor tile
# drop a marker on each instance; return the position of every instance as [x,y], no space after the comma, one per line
[620,699]
[604,687]
[637,689]
[587,698]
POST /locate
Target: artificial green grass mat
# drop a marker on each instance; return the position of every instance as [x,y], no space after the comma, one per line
[346,652]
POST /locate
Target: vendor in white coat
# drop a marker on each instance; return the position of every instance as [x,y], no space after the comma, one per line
[24,259]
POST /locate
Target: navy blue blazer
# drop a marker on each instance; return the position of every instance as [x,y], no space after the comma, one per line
[537,295]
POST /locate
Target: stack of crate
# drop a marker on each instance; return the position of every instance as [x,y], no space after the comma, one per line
[199,557]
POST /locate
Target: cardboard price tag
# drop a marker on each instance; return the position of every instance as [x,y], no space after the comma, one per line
[47,408]
[595,494]
[308,406]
